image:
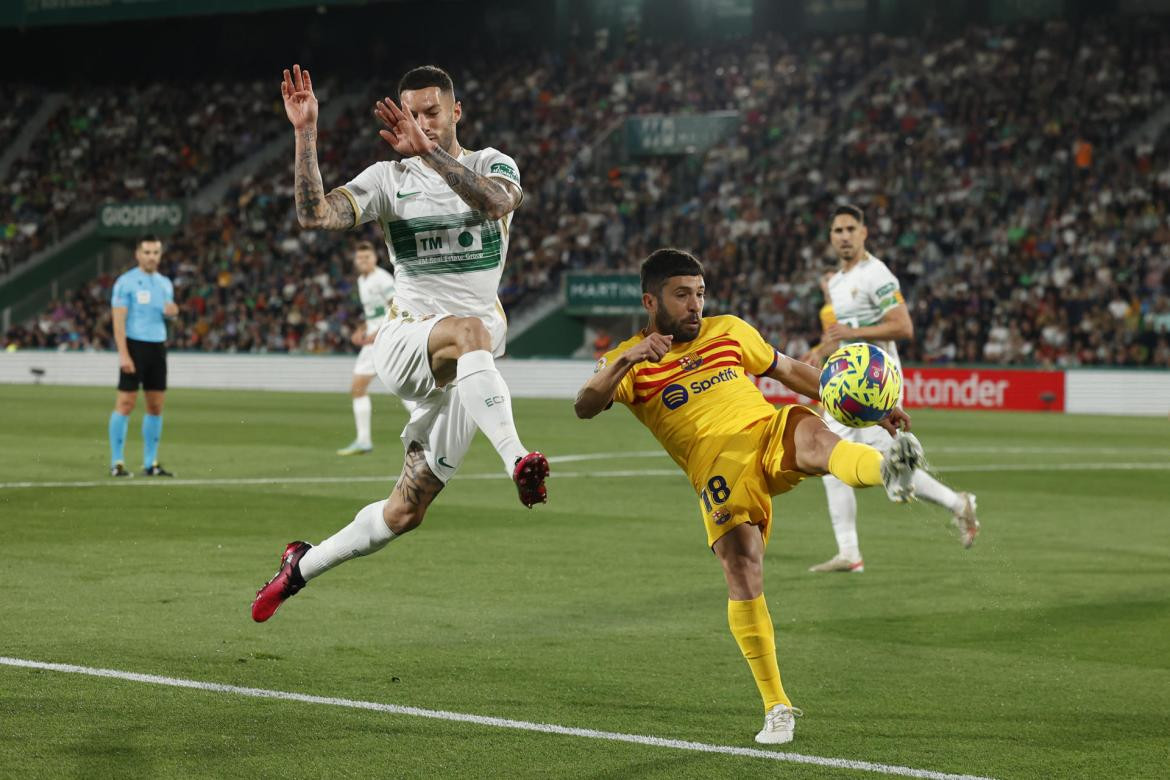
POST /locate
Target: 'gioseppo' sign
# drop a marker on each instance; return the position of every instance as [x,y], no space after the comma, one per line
[137,217]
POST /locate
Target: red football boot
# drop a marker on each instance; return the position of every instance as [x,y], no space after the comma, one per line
[286,582]
[529,476]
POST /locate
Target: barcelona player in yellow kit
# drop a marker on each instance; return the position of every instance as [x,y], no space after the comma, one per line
[686,378]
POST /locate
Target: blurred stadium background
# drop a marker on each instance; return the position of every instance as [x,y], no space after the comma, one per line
[1013,158]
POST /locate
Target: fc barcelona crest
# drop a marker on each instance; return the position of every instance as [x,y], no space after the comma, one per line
[690,362]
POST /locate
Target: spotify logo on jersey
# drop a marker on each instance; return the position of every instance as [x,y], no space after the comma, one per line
[674,396]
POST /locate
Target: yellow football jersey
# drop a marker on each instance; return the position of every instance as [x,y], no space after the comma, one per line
[700,390]
[827,315]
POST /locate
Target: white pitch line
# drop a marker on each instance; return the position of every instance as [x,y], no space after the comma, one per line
[486,720]
[165,482]
[1055,467]
[557,475]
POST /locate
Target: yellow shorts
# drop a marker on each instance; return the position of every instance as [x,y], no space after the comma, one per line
[741,473]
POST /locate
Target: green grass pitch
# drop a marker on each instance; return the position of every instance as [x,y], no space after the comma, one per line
[1042,652]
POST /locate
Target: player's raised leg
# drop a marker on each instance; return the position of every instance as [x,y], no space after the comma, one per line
[923,486]
[374,527]
[359,392]
[461,351]
[820,451]
[741,553]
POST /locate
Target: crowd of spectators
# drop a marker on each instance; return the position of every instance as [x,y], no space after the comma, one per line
[991,166]
[155,142]
[997,187]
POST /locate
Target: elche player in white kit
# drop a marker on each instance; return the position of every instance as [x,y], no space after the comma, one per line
[375,291]
[867,305]
[445,213]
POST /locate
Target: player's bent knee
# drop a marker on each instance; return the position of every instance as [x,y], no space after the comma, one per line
[814,445]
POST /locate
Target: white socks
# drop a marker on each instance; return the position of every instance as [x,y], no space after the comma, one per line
[927,488]
[485,396]
[843,513]
[367,534]
[361,418]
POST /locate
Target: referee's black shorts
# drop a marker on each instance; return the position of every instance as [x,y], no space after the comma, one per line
[150,366]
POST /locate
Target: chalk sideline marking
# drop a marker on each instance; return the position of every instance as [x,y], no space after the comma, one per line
[486,720]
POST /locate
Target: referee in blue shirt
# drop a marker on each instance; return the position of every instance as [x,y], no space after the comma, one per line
[142,299]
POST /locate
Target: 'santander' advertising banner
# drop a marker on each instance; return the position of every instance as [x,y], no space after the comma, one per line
[964,388]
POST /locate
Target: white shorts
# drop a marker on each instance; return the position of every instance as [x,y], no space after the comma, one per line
[874,435]
[438,420]
[364,366]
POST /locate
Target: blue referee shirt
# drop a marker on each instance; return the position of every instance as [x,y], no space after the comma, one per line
[144,296]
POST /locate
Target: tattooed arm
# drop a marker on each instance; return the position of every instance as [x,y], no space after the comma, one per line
[315,209]
[492,196]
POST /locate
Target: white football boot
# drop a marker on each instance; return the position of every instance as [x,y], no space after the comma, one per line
[898,465]
[966,521]
[840,563]
[779,725]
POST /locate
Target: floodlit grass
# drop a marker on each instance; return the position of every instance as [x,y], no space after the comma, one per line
[1041,652]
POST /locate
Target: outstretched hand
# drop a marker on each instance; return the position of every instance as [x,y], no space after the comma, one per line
[300,104]
[402,130]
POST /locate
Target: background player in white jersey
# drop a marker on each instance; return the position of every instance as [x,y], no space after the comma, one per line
[445,213]
[868,306]
[375,290]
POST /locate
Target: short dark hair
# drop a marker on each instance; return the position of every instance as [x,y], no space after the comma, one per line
[849,210]
[426,76]
[363,246]
[665,263]
[147,238]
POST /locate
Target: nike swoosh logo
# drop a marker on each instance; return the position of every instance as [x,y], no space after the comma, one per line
[408,194]
[442,461]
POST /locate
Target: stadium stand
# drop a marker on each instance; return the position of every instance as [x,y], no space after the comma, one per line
[1000,198]
[125,143]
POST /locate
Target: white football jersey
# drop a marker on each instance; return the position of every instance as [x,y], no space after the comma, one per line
[863,295]
[375,290]
[448,257]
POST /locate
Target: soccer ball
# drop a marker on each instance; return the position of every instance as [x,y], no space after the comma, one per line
[860,384]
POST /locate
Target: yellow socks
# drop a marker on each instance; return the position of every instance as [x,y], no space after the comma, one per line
[751,625]
[857,465]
